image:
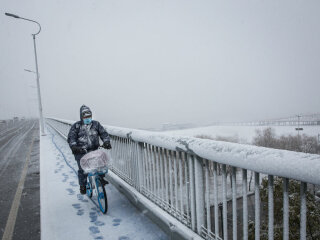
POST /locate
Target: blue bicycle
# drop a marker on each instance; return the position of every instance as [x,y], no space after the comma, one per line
[96,188]
[95,165]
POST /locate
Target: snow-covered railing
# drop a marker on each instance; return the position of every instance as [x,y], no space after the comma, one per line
[187,177]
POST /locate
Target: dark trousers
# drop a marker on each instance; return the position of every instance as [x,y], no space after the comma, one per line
[82,177]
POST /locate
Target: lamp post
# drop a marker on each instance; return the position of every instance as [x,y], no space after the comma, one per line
[37,70]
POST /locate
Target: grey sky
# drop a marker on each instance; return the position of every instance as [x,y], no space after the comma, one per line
[143,63]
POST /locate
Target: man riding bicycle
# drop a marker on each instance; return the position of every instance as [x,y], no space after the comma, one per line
[83,137]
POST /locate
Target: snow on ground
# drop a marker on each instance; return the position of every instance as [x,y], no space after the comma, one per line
[244,133]
[66,214]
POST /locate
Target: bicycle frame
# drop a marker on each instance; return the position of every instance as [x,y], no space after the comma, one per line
[94,175]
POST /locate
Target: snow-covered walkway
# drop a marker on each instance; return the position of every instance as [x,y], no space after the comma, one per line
[65,214]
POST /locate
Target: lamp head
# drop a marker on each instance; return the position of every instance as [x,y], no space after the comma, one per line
[12,15]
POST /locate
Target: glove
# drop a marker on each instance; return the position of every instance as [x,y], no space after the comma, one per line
[106,145]
[78,150]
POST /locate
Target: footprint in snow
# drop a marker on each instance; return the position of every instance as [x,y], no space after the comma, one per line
[93,216]
[80,212]
[76,205]
[81,198]
[123,238]
[94,229]
[71,192]
[99,223]
[73,184]
[116,222]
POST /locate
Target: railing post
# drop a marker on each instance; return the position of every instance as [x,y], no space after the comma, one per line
[199,193]
[208,198]
[192,193]
[257,205]
[140,165]
[175,159]
[234,203]
[170,181]
[285,209]
[166,188]
[181,187]
[270,208]
[224,203]
[303,211]
[216,207]
[187,184]
[245,204]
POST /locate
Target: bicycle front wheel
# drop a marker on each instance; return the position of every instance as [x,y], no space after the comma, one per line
[102,196]
[89,187]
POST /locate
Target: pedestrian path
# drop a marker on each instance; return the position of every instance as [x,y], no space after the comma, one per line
[66,214]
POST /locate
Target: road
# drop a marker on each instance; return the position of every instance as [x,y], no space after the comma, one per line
[19,181]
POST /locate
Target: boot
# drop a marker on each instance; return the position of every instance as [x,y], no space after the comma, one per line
[83,190]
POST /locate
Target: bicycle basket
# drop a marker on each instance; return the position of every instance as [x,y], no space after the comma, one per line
[97,160]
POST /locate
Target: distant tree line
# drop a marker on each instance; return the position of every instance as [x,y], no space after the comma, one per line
[298,143]
[268,138]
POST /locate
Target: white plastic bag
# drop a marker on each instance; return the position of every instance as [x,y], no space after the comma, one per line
[97,160]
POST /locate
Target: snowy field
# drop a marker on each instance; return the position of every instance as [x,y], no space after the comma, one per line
[245,134]
[65,214]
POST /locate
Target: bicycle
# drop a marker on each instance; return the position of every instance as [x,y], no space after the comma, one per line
[94,183]
[95,165]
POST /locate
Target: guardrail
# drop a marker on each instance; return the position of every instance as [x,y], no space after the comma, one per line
[187,178]
[268,123]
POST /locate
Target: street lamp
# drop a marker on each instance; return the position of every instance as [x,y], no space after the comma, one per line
[37,70]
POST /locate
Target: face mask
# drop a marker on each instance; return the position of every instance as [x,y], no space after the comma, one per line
[87,120]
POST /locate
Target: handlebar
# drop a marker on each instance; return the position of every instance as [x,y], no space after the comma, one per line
[100,147]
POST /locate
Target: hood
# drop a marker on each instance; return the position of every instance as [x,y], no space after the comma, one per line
[84,108]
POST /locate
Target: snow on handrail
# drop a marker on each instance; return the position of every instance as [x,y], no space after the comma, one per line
[299,166]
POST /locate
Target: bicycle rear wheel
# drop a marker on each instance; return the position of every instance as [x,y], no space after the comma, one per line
[102,196]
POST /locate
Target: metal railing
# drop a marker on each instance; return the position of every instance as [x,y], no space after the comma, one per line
[188,178]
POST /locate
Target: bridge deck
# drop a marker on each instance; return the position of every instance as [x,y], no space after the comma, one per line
[65,214]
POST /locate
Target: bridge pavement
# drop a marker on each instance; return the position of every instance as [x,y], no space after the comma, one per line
[65,214]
